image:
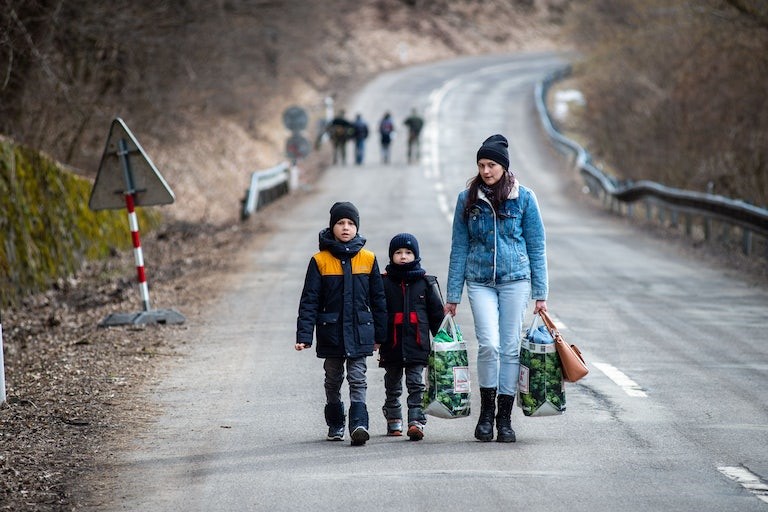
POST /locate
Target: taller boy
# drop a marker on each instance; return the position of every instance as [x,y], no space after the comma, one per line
[343,300]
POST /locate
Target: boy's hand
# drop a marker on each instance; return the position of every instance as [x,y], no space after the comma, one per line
[301,346]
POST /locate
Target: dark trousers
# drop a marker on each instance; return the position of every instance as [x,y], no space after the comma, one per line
[393,385]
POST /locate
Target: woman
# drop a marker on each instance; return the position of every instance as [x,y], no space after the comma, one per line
[498,248]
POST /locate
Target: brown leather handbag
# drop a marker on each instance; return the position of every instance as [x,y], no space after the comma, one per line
[574,367]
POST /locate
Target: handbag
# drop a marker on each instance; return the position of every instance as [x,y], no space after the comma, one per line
[447,383]
[541,389]
[574,367]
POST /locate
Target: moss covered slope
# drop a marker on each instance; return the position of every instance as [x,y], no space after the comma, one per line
[46,227]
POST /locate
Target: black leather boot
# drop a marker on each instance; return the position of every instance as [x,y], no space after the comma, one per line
[505,434]
[484,428]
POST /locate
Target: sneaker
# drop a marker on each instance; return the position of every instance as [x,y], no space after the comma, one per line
[359,436]
[415,431]
[395,427]
[336,433]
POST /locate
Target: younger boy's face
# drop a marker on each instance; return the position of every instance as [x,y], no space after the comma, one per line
[403,256]
[344,230]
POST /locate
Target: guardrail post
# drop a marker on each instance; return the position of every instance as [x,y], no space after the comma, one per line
[746,241]
[707,229]
[294,180]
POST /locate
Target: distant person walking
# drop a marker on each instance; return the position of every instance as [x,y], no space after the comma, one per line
[361,133]
[415,123]
[340,131]
[386,134]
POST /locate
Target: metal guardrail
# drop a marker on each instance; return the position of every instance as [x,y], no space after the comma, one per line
[709,207]
[266,186]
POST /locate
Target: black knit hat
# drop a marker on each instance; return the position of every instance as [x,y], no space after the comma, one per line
[495,148]
[344,210]
[404,241]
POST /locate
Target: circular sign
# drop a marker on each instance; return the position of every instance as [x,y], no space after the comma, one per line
[295,118]
[297,146]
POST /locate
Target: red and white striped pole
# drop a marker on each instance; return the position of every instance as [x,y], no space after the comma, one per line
[137,253]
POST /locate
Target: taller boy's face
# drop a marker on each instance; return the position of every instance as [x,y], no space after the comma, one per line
[344,230]
[403,256]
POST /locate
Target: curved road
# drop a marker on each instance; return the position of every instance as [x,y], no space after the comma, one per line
[672,416]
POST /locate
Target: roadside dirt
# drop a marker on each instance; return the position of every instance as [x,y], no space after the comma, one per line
[76,390]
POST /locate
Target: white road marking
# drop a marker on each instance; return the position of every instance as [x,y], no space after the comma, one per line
[629,386]
[747,480]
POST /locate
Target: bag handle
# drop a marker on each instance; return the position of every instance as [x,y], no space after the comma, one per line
[451,324]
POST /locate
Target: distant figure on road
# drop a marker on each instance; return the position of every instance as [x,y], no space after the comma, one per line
[498,248]
[386,133]
[414,309]
[340,131]
[343,304]
[414,123]
[361,133]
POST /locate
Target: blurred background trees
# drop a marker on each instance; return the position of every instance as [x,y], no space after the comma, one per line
[676,91]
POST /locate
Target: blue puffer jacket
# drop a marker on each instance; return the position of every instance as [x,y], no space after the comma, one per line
[343,300]
[498,247]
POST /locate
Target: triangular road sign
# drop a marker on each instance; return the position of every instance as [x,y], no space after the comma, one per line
[126,168]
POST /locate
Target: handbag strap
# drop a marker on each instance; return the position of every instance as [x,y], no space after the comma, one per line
[550,324]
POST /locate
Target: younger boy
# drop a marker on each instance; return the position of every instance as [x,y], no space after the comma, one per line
[414,309]
[343,300]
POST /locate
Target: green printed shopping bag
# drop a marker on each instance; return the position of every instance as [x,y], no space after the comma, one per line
[447,382]
[540,388]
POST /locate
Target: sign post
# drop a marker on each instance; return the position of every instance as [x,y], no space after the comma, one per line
[297,146]
[122,182]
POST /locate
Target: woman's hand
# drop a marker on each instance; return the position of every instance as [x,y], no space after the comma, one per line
[450,308]
[541,305]
[300,346]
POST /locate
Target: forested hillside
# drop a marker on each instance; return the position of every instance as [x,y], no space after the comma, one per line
[676,91]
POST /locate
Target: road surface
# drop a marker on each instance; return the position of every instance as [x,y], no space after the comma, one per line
[672,416]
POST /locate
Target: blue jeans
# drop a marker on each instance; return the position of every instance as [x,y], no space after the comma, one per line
[498,312]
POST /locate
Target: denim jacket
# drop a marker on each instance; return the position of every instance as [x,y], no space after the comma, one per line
[490,247]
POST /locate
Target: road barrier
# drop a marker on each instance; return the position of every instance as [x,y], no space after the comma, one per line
[266,186]
[698,210]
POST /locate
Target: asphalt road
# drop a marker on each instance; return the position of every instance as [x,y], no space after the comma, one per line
[672,416]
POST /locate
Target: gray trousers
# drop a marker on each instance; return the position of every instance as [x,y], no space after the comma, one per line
[334,377]
[393,385]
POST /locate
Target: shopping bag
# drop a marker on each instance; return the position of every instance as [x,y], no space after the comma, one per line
[447,382]
[540,388]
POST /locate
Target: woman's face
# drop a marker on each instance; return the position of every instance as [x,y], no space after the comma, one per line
[490,171]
